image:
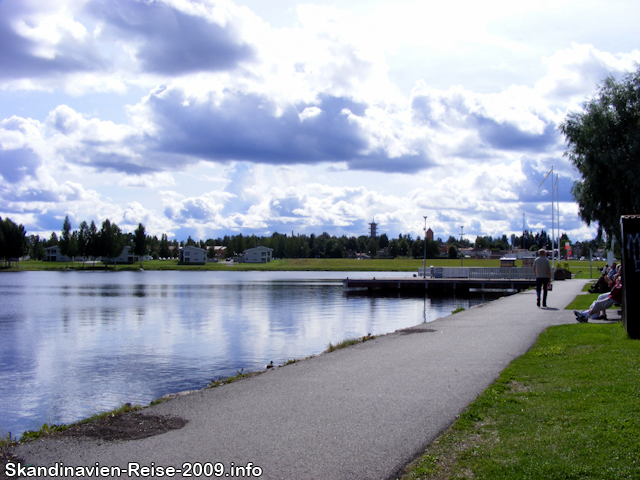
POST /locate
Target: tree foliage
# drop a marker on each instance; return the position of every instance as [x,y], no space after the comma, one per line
[604,145]
[140,242]
[68,240]
[108,243]
[13,240]
[110,240]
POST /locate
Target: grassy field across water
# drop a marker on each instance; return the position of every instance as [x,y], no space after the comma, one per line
[580,269]
[568,409]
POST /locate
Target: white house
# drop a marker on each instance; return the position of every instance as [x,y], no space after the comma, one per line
[126,256]
[258,255]
[52,254]
[191,254]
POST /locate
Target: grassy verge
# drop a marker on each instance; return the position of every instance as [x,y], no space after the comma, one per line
[348,342]
[580,269]
[224,381]
[568,409]
[49,429]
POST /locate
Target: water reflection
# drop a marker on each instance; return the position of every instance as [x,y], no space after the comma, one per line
[76,343]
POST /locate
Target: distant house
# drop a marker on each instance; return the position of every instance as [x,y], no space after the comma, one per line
[258,255]
[521,254]
[480,253]
[126,256]
[53,254]
[466,252]
[359,256]
[191,254]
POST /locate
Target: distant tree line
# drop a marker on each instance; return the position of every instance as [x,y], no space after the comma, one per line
[328,246]
[107,242]
[91,242]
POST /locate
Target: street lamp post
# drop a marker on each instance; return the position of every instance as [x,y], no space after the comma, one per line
[424,261]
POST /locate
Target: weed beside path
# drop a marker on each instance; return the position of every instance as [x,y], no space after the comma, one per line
[568,409]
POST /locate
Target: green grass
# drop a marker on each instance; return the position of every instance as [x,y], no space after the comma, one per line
[224,381]
[348,342]
[582,269]
[6,441]
[49,429]
[292,264]
[582,302]
[579,268]
[568,409]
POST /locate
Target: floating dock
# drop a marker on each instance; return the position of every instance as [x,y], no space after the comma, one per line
[437,285]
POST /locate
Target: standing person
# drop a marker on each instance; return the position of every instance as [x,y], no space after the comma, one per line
[542,271]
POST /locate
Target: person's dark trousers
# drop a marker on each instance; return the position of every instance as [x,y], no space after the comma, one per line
[542,284]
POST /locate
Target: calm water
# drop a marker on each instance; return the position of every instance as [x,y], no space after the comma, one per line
[76,343]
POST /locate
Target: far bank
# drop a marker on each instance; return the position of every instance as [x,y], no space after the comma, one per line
[579,268]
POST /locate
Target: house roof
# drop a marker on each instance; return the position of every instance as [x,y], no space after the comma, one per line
[191,247]
[260,248]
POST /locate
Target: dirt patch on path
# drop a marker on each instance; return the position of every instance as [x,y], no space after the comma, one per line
[117,427]
[127,426]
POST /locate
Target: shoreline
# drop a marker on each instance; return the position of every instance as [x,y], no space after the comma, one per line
[46,429]
[338,406]
[580,268]
[119,287]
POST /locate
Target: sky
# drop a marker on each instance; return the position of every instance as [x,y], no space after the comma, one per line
[207,118]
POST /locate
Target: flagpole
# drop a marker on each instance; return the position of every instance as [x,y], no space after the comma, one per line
[558,216]
[552,219]
[553,250]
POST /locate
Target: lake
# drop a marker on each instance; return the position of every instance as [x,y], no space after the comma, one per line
[76,343]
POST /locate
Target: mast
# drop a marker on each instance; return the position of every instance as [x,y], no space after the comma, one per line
[553,190]
[553,257]
[558,217]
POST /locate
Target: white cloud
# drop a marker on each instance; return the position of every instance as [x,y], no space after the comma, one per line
[309,112]
[155,180]
[574,72]
[389,110]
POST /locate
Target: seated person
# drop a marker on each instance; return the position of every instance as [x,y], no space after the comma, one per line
[613,270]
[601,286]
[613,276]
[603,302]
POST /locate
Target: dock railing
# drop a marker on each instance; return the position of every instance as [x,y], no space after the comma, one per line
[485,273]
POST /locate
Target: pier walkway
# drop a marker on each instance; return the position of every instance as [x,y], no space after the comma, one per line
[438,285]
[362,412]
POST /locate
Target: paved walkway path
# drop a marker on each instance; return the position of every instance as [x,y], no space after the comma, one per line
[358,413]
